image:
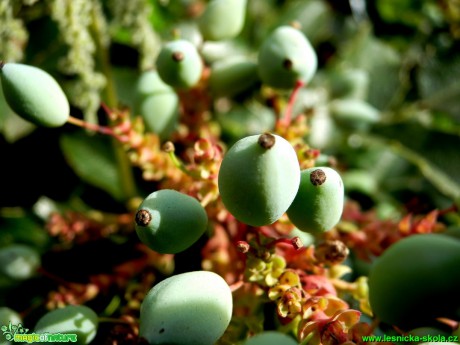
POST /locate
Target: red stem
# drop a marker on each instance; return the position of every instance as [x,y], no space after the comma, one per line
[96,128]
[288,113]
[452,208]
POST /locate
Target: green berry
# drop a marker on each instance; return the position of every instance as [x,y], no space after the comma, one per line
[246,119]
[259,178]
[318,204]
[348,83]
[416,280]
[232,76]
[19,261]
[222,19]
[169,221]
[8,315]
[270,338]
[72,319]
[179,64]
[354,113]
[34,95]
[286,57]
[157,103]
[453,231]
[189,309]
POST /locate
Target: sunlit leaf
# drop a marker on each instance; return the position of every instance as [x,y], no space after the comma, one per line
[92,159]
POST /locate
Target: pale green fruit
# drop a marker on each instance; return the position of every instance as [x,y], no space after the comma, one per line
[169,221]
[246,119]
[416,280]
[72,319]
[8,315]
[354,113]
[318,204]
[286,57]
[179,64]
[270,338]
[222,19]
[232,76]
[34,95]
[157,103]
[19,261]
[192,308]
[424,332]
[259,178]
[349,83]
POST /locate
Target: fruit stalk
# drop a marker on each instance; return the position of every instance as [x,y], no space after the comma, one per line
[286,120]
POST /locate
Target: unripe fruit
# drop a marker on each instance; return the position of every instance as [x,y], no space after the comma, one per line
[19,261]
[34,95]
[318,204]
[453,231]
[189,309]
[416,280]
[169,221]
[270,338]
[349,83]
[157,103]
[7,315]
[428,331]
[354,113]
[230,77]
[72,319]
[246,119]
[259,178]
[222,19]
[286,57]
[179,64]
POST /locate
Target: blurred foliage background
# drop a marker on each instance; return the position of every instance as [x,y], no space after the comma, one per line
[384,104]
[397,60]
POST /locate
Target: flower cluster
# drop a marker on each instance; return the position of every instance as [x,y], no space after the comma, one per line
[368,236]
[82,27]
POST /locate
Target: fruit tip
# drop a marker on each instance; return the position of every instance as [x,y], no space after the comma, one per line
[177,56]
[143,217]
[317,177]
[168,147]
[267,140]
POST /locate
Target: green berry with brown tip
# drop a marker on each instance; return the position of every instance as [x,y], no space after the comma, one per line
[179,64]
[285,58]
[258,178]
[318,204]
[169,222]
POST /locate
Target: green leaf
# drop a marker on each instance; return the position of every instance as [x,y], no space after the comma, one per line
[92,159]
[437,80]
[20,227]
[379,60]
[434,154]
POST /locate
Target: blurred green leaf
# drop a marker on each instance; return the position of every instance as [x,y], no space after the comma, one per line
[437,80]
[22,228]
[92,159]
[314,16]
[124,79]
[380,60]
[434,153]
